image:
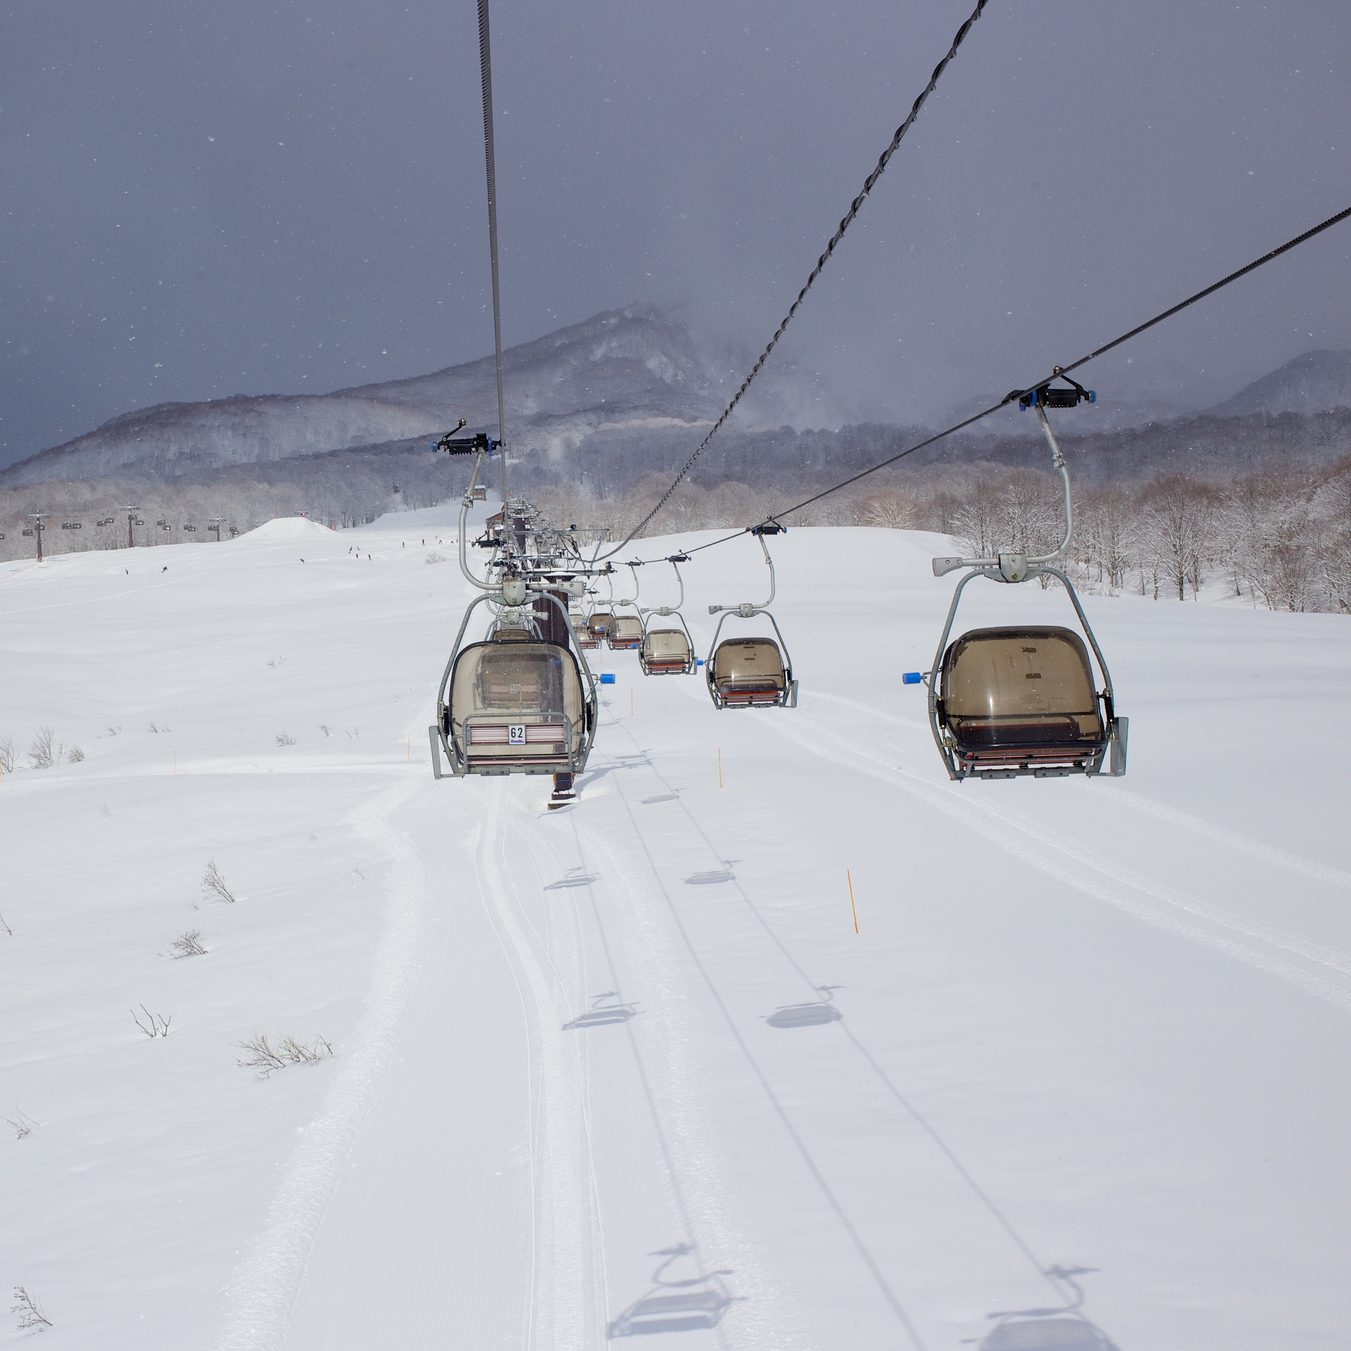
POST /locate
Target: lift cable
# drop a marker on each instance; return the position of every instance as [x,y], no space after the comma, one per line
[1017,394]
[486,79]
[854,207]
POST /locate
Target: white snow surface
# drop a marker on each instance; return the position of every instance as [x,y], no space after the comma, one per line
[627,1069]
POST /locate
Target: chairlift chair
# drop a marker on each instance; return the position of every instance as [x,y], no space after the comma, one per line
[1022,700]
[753,672]
[667,650]
[513,705]
[585,634]
[626,633]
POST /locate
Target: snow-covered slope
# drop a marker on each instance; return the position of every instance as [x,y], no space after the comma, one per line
[629,1068]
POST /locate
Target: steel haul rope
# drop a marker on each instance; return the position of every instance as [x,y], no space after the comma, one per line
[1016,394]
[486,79]
[854,207]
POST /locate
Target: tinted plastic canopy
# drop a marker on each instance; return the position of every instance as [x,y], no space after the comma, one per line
[516,706]
[748,672]
[666,652]
[626,631]
[1021,695]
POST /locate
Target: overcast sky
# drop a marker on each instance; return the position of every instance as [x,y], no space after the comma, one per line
[286,196]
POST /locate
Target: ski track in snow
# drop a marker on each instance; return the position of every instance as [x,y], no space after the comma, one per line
[693,1165]
[687,929]
[1260,945]
[1173,816]
[558,1316]
[262,1294]
[567,993]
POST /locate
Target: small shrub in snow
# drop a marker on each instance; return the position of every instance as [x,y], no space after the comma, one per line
[29,1311]
[213,884]
[159,731]
[261,1055]
[6,755]
[285,739]
[154,1024]
[23,1127]
[189,944]
[435,557]
[44,752]
[74,755]
[114,731]
[325,729]
[5,927]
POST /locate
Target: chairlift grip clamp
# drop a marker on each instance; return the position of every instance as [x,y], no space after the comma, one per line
[1047,395]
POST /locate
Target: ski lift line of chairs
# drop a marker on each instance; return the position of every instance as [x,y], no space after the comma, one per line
[513,704]
[754,672]
[1022,699]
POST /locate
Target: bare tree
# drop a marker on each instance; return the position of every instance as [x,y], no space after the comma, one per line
[43,753]
[213,884]
[29,1311]
[189,944]
[154,1024]
[261,1055]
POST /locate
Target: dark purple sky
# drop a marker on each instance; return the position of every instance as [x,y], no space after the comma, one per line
[280,196]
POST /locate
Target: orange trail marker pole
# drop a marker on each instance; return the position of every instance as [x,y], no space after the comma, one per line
[719,766]
[630,703]
[850,878]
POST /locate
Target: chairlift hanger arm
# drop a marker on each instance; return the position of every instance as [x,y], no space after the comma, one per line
[667,610]
[746,609]
[464,521]
[1016,567]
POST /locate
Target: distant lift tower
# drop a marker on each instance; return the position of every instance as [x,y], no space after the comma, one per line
[131,520]
[37,517]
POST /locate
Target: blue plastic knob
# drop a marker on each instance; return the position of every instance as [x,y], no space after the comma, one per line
[607,677]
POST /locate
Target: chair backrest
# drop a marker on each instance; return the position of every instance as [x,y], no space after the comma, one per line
[666,645]
[1020,686]
[517,679]
[749,663]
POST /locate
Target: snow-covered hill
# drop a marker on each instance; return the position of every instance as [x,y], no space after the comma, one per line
[1314,382]
[631,1068]
[633,369]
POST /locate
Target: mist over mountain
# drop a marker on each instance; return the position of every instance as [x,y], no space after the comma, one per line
[628,393]
[632,370]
